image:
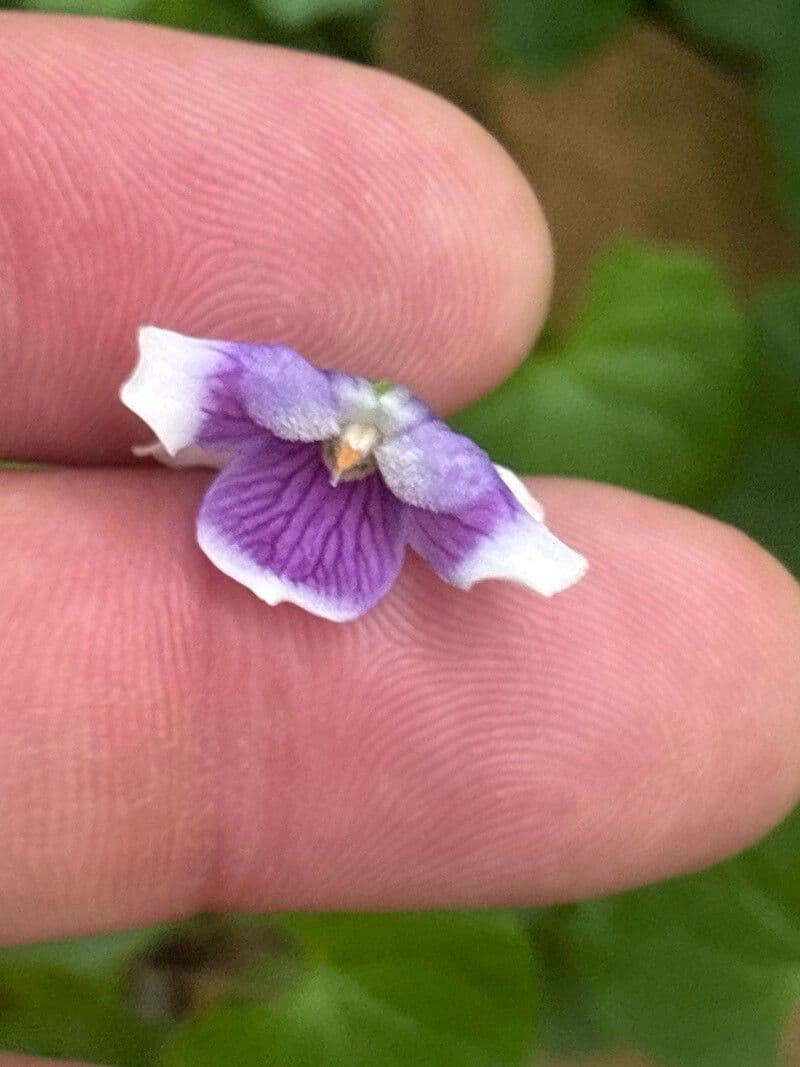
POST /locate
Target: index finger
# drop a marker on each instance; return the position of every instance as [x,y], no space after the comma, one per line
[232,190]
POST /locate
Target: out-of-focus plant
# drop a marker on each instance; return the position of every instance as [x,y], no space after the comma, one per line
[647,391]
[700,972]
[338,27]
[453,989]
[764,495]
[546,37]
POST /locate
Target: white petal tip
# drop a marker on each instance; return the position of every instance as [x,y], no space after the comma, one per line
[520,492]
[168,383]
[190,456]
[527,553]
[562,576]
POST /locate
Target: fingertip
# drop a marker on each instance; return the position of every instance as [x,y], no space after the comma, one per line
[248,193]
[701,681]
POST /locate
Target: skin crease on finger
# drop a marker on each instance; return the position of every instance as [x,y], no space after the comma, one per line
[170,744]
[245,192]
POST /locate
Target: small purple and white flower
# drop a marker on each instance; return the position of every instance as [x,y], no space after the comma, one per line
[325,478]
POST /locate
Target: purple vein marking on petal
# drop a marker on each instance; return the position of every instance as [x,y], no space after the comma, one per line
[224,417]
[445,540]
[495,537]
[172,388]
[273,521]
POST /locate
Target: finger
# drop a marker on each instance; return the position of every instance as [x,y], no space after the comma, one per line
[231,190]
[170,744]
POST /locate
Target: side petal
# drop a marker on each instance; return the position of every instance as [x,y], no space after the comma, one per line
[179,388]
[520,492]
[191,456]
[432,467]
[498,536]
[217,394]
[273,521]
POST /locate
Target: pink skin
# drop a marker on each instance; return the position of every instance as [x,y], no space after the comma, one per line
[170,744]
[230,190]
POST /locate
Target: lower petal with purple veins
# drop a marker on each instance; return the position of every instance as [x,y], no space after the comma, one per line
[273,521]
[498,536]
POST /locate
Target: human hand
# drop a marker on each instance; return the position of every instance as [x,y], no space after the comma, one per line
[169,743]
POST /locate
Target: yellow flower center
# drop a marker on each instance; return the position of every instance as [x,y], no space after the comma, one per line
[349,456]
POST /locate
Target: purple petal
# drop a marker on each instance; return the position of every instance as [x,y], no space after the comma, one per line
[432,467]
[499,535]
[177,388]
[272,521]
[217,394]
[284,393]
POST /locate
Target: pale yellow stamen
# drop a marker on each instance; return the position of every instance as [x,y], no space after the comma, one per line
[346,457]
[349,456]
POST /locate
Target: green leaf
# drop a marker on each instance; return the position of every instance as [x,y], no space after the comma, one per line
[225,18]
[741,24]
[432,990]
[699,972]
[646,392]
[763,496]
[546,37]
[49,1011]
[114,9]
[296,13]
[100,955]
[781,96]
[68,999]
[567,1022]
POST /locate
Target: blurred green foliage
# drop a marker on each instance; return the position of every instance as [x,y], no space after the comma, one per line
[295,13]
[338,27]
[451,989]
[546,37]
[64,999]
[663,384]
[701,972]
[647,391]
[764,495]
[454,989]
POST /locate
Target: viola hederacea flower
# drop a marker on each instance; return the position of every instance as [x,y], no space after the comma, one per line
[325,478]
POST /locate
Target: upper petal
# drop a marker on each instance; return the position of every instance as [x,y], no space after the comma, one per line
[499,535]
[272,521]
[283,392]
[432,467]
[217,394]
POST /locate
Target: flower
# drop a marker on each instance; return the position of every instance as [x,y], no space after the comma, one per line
[325,478]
